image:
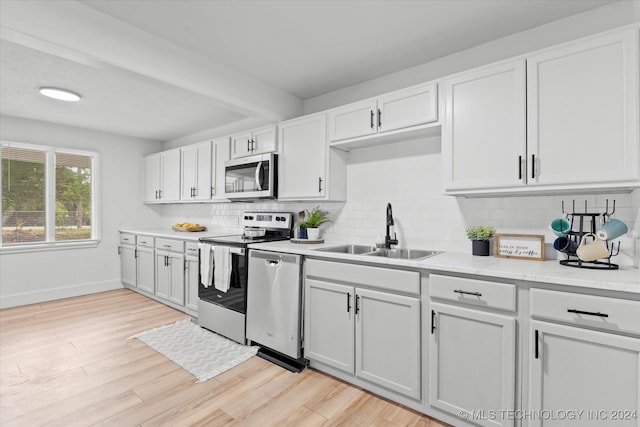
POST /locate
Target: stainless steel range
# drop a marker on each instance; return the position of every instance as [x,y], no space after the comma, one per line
[224,262]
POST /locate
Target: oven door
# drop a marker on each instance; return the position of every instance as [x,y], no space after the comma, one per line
[251,177]
[235,298]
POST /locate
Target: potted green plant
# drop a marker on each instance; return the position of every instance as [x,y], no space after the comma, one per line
[314,219]
[480,237]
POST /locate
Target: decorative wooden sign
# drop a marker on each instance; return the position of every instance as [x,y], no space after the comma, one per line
[519,246]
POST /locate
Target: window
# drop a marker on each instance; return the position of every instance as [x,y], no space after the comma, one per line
[48,196]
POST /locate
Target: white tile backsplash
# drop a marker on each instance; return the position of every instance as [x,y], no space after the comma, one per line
[409,176]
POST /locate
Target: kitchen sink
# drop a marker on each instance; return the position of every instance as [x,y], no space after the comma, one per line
[413,254]
[349,249]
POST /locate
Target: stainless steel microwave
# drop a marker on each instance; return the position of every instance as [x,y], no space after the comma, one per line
[253,177]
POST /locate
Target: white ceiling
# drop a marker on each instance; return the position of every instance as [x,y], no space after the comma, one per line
[176,67]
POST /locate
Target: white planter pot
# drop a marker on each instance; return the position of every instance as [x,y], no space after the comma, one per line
[313,233]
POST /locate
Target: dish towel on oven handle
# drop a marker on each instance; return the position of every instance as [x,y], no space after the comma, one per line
[221,268]
[206,264]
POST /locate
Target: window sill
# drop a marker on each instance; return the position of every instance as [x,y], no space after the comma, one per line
[57,246]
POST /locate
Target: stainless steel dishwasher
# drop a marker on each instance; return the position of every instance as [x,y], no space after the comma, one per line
[274,307]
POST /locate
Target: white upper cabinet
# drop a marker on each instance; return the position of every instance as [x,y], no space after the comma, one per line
[219,155]
[402,109]
[484,137]
[257,141]
[196,172]
[307,167]
[162,177]
[583,112]
[576,129]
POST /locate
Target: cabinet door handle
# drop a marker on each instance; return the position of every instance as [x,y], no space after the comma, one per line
[520,167]
[213,191]
[433,322]
[537,348]
[371,119]
[119,250]
[533,166]
[159,194]
[460,291]
[319,185]
[248,145]
[349,303]
[156,194]
[253,144]
[379,118]
[588,313]
[357,304]
[135,253]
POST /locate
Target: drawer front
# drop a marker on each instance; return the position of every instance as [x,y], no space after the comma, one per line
[170,245]
[127,239]
[191,248]
[146,241]
[587,310]
[501,296]
[375,277]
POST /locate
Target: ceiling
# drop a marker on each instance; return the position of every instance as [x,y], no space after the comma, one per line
[165,69]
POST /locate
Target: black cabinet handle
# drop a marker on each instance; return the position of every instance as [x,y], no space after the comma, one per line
[119,250]
[433,322]
[253,144]
[537,355]
[135,253]
[357,304]
[460,291]
[213,191]
[588,313]
[248,145]
[371,119]
[348,303]
[159,194]
[319,185]
[379,118]
[156,194]
[533,166]
[520,167]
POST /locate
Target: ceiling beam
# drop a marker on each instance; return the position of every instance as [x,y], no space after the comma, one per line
[79,33]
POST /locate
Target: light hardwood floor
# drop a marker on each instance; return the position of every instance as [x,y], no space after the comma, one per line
[70,363]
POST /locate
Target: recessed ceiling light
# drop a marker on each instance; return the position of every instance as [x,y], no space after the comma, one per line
[61,94]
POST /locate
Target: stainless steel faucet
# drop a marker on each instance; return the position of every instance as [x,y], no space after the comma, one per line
[388,241]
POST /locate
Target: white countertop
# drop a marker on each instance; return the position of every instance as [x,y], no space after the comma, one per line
[626,279]
[183,235]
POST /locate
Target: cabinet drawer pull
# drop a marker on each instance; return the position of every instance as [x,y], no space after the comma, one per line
[589,313]
[433,322]
[460,291]
[166,246]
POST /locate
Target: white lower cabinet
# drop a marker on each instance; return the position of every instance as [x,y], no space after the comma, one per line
[191,277]
[588,364]
[366,333]
[472,363]
[127,252]
[164,269]
[145,274]
[594,374]
[472,348]
[170,266]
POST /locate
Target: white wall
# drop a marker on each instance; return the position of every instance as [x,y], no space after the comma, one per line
[39,276]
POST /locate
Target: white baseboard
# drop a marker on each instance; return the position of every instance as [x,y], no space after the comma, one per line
[44,295]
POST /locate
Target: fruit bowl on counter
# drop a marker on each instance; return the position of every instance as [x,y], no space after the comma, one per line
[187,226]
